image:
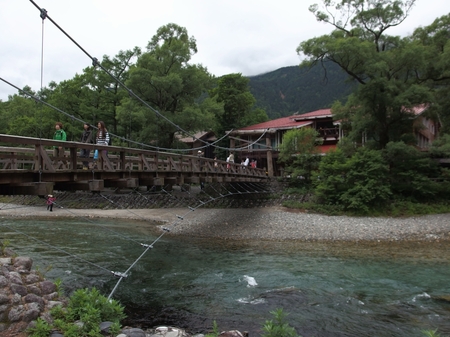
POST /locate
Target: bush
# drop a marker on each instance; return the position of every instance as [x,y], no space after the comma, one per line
[278,327]
[87,306]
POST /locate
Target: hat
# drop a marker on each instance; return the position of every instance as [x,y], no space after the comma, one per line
[199,151]
[50,195]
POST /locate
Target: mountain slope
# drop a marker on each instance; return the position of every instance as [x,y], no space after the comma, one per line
[288,90]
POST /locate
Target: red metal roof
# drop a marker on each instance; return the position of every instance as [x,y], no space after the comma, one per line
[290,122]
[418,109]
[297,121]
[280,123]
[322,113]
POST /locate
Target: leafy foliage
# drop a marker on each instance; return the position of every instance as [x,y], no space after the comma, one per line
[41,329]
[85,301]
[278,327]
[215,331]
[394,73]
[366,180]
[411,172]
[233,93]
[87,306]
[299,153]
[431,333]
[164,80]
[356,183]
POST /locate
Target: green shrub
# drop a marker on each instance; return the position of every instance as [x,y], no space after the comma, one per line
[3,245]
[91,301]
[87,306]
[215,331]
[431,333]
[278,327]
[41,329]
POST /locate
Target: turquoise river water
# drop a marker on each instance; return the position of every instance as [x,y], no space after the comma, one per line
[328,289]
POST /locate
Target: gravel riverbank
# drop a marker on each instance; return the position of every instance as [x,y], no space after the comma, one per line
[265,223]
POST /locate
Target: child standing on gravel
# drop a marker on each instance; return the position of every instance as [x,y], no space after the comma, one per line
[50,200]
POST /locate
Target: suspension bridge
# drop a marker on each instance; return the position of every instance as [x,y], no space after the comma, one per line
[28,166]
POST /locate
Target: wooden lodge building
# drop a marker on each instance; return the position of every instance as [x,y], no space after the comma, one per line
[263,140]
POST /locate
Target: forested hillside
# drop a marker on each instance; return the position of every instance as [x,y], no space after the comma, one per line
[293,89]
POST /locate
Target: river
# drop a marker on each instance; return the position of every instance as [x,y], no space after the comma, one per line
[328,289]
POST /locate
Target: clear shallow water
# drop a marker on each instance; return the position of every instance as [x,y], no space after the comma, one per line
[328,289]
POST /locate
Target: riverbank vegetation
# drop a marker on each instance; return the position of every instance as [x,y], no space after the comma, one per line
[86,309]
[398,180]
[377,168]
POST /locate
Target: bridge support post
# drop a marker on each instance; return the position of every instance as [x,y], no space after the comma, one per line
[192,180]
[96,185]
[269,156]
[37,188]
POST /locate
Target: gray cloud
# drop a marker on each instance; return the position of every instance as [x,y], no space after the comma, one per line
[234,36]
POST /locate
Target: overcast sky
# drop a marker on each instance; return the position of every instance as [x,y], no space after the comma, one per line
[233,36]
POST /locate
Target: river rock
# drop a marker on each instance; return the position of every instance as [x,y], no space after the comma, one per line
[167,331]
[134,332]
[21,295]
[233,333]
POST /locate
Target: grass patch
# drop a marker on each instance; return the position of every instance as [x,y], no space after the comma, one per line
[394,209]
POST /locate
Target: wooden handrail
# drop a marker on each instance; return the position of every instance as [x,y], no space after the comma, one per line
[35,154]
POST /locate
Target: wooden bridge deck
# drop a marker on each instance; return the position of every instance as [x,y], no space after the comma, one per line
[27,166]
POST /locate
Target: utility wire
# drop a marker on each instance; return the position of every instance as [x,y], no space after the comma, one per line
[56,248]
[143,145]
[95,63]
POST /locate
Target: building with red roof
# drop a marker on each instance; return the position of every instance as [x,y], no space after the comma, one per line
[260,142]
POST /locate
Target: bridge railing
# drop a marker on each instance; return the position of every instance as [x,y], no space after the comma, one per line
[36,154]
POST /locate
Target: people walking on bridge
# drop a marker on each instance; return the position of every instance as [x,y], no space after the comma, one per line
[88,138]
[60,134]
[201,163]
[102,138]
[230,159]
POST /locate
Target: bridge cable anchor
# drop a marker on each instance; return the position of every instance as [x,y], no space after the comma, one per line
[43,14]
[119,274]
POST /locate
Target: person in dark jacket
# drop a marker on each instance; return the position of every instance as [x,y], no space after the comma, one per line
[88,138]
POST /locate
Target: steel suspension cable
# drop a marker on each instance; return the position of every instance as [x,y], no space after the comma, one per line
[56,248]
[95,62]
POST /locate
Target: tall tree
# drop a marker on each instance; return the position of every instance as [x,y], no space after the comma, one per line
[390,70]
[233,91]
[298,152]
[93,95]
[435,39]
[164,79]
[22,116]
[238,105]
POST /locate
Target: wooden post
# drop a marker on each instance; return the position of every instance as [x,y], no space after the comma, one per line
[269,156]
[232,145]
